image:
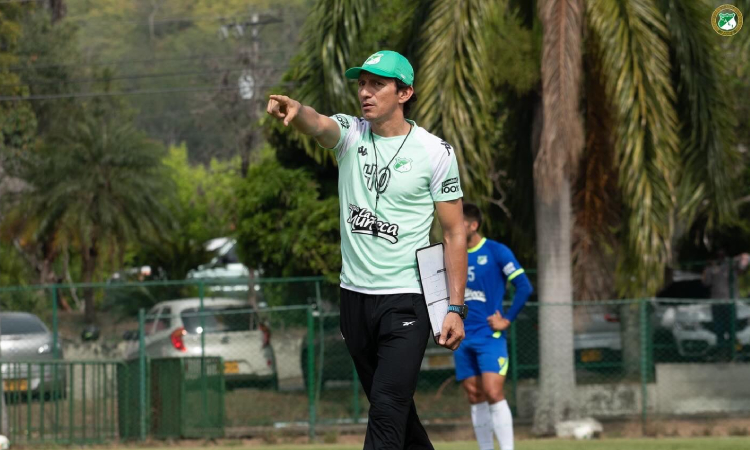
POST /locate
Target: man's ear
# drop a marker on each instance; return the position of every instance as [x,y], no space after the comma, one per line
[405,94]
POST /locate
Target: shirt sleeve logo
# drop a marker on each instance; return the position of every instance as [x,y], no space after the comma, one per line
[509,269]
[450,185]
[342,120]
[447,147]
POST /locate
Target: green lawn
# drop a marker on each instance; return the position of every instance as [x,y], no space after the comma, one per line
[552,444]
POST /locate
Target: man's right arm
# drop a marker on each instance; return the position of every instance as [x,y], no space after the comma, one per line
[305,119]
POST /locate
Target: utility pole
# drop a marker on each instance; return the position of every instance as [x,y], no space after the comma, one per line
[58,9]
[250,80]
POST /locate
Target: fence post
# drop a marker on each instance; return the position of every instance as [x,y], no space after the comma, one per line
[732,311]
[204,384]
[514,365]
[55,354]
[644,362]
[355,394]
[311,372]
[142,372]
[55,329]
[201,294]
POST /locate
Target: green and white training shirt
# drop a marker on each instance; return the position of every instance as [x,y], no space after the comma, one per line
[378,246]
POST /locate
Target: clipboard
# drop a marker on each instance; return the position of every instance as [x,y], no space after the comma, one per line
[434,280]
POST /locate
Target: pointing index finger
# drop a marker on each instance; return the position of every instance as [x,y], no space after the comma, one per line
[279,98]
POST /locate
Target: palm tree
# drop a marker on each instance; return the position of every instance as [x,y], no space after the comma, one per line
[94,186]
[668,166]
[559,146]
[655,135]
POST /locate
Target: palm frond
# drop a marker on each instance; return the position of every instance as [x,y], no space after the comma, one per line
[562,131]
[596,201]
[333,31]
[453,84]
[635,63]
[99,181]
[708,154]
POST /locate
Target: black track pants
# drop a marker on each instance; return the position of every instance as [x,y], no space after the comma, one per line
[386,336]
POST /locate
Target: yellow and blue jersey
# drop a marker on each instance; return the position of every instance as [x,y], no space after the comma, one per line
[491,266]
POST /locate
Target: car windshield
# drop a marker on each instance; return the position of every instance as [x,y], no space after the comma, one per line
[21,324]
[219,320]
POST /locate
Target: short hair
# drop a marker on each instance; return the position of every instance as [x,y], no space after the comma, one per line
[472,213]
[413,99]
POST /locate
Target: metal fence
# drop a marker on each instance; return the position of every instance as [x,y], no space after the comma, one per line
[212,364]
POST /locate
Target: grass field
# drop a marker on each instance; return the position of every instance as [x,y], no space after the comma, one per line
[718,443]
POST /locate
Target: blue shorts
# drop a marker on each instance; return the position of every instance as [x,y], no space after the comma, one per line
[481,355]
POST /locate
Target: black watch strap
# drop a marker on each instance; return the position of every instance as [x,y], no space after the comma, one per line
[461,310]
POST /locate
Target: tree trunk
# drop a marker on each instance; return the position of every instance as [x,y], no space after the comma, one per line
[58,10]
[556,400]
[630,328]
[89,266]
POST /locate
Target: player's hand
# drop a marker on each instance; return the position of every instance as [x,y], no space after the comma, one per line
[283,108]
[453,331]
[498,322]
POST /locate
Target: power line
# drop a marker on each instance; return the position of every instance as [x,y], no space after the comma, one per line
[119,62]
[170,20]
[121,93]
[41,82]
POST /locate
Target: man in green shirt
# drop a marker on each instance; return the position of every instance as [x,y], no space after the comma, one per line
[393,175]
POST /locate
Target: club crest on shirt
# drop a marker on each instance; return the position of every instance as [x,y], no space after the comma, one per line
[482,260]
[402,164]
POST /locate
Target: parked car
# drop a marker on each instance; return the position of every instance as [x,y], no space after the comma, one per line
[26,343]
[696,333]
[688,323]
[338,366]
[224,266]
[231,330]
[597,338]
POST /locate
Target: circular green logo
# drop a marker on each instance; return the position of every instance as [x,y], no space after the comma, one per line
[727,20]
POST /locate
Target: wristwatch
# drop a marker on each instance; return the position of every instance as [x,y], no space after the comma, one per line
[461,310]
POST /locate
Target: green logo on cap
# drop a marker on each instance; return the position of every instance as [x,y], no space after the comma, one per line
[374,59]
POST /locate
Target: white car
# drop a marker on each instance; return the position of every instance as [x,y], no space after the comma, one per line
[224,266]
[231,330]
[694,330]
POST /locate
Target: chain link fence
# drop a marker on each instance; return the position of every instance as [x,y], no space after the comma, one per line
[196,359]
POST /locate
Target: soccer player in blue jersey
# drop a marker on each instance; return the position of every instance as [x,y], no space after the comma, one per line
[482,358]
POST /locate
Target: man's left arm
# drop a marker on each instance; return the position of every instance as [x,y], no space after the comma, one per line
[513,272]
[451,217]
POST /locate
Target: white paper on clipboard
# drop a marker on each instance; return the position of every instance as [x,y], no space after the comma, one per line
[434,279]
